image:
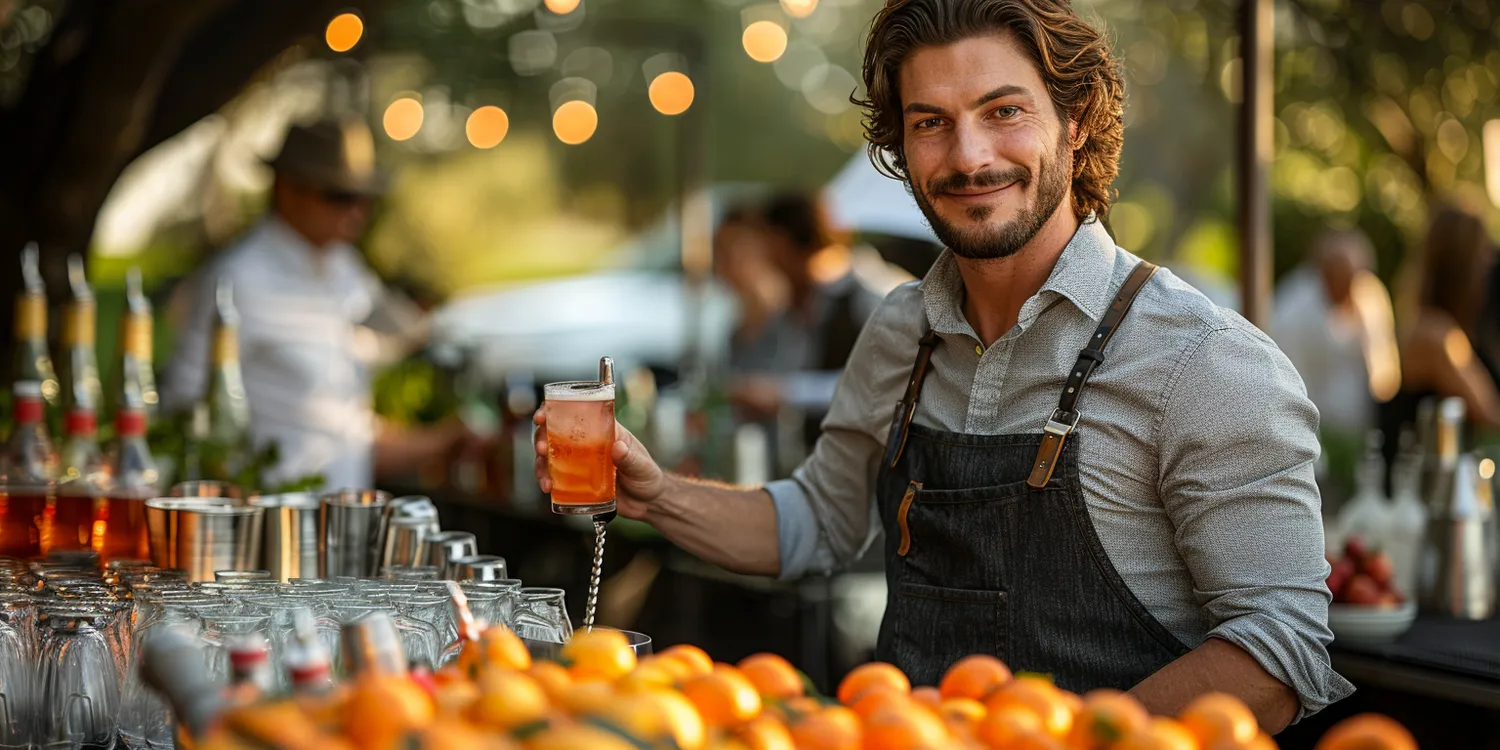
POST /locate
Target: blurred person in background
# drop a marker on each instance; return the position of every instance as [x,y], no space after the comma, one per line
[314,319]
[1448,334]
[802,305]
[1333,320]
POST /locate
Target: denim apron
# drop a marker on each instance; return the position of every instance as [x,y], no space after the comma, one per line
[990,548]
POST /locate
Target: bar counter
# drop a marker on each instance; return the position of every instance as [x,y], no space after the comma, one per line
[1441,679]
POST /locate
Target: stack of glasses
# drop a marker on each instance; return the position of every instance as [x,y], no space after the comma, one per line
[71,635]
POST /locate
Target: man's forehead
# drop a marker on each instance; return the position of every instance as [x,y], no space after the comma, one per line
[967,69]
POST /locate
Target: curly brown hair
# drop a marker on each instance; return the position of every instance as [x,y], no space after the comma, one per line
[1083,78]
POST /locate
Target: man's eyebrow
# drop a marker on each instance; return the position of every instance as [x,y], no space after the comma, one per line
[1009,89]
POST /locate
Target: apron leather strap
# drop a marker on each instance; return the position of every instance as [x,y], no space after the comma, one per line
[907,409]
[1065,418]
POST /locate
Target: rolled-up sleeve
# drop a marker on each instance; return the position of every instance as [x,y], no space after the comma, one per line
[823,511]
[1237,442]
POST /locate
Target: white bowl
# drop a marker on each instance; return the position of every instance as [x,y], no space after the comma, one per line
[1358,623]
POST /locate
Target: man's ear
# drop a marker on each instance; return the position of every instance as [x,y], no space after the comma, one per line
[1076,136]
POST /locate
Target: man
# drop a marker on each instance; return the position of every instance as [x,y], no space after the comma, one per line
[802,305]
[1334,322]
[305,298]
[1154,527]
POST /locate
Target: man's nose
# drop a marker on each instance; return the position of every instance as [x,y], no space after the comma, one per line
[971,149]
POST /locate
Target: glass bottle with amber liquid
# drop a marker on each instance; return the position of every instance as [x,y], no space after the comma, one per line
[120,524]
[80,367]
[31,361]
[82,486]
[134,381]
[28,472]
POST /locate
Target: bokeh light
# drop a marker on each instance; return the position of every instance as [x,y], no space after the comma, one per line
[343,32]
[799,8]
[403,118]
[575,122]
[487,126]
[671,93]
[562,7]
[764,41]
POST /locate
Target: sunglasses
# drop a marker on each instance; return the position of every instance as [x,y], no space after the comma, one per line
[341,197]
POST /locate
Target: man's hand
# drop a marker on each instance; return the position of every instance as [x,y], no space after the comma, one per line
[638,480]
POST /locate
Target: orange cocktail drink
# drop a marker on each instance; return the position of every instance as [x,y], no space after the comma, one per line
[580,434]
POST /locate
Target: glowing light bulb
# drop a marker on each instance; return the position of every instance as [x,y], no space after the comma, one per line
[764,41]
[403,118]
[343,32]
[671,93]
[575,122]
[487,126]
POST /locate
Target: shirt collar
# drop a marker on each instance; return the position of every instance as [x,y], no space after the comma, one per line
[1083,275]
[295,248]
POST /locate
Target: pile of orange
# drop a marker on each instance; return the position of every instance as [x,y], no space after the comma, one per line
[599,697]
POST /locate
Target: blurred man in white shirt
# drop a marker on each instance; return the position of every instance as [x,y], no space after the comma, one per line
[306,300]
[1333,320]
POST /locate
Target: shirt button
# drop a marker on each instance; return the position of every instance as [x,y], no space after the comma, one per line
[979,349]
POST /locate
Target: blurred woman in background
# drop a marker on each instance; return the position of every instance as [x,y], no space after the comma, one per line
[1450,324]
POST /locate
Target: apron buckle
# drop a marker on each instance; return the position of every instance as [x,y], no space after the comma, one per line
[1059,426]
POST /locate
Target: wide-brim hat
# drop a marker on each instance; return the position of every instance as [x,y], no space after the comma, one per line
[332,155]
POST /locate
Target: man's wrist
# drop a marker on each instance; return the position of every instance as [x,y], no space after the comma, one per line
[665,503]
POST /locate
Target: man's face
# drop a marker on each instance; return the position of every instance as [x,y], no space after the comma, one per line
[988,158]
[324,216]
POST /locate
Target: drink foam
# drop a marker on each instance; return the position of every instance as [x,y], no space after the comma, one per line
[583,391]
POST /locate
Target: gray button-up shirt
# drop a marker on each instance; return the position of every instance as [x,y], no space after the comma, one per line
[1196,465]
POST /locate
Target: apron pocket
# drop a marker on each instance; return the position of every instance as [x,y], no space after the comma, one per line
[936,626]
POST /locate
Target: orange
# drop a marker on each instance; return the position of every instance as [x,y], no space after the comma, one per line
[455,698]
[927,696]
[1002,726]
[695,660]
[281,723]
[684,722]
[1263,741]
[1107,716]
[724,697]
[974,677]
[904,728]
[448,734]
[598,654]
[653,672]
[879,697]
[1036,741]
[1159,734]
[833,728]
[508,699]
[385,708]
[1367,732]
[793,710]
[765,733]
[553,678]
[1216,717]
[586,698]
[577,737]
[497,646]
[966,711]
[1038,695]
[774,677]
[866,676]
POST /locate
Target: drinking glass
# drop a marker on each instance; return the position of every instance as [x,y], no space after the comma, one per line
[207,488]
[223,623]
[239,576]
[426,614]
[144,718]
[79,687]
[580,434]
[499,600]
[418,638]
[542,615]
[17,655]
[409,573]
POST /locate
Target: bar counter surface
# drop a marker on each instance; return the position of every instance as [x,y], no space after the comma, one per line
[1441,679]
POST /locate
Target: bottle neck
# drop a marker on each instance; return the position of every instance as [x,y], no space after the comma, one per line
[78,325]
[81,424]
[31,317]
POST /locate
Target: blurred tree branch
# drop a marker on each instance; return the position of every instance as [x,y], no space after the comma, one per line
[115,78]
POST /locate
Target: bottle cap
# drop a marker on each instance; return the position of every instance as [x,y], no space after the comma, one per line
[81,422]
[130,422]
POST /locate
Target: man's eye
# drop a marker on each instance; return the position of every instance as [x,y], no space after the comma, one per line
[930,122]
[1007,112]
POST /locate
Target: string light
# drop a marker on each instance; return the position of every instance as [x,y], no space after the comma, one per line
[343,32]
[671,93]
[764,41]
[562,7]
[575,122]
[799,8]
[403,118]
[487,126]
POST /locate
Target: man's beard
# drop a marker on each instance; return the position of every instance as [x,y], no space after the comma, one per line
[988,243]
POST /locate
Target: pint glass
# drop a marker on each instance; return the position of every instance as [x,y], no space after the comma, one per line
[580,434]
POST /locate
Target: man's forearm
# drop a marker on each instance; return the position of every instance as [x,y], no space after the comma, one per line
[731,527]
[1219,666]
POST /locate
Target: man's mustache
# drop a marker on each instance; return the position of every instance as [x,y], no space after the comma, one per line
[986,179]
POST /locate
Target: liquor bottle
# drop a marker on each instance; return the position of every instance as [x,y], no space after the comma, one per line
[31,360]
[80,367]
[226,451]
[120,529]
[135,381]
[68,523]
[250,675]
[28,471]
